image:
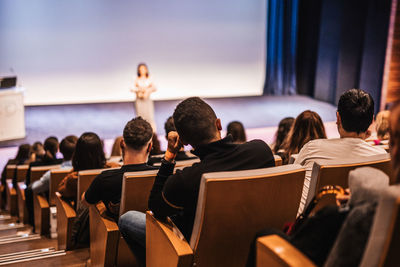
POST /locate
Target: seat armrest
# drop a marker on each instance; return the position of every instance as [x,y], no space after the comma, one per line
[42,214]
[272,250]
[65,218]
[164,247]
[104,237]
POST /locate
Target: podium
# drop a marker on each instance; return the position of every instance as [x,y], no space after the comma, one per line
[12,113]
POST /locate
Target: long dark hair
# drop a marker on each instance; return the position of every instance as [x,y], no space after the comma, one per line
[283,130]
[138,72]
[307,126]
[88,153]
[236,129]
[24,152]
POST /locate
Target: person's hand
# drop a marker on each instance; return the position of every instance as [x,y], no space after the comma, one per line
[174,145]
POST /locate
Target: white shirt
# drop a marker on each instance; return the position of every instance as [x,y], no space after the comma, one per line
[335,148]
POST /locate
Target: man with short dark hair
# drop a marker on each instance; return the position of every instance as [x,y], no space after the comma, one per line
[354,115]
[135,146]
[176,194]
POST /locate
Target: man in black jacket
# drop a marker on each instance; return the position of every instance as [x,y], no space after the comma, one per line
[175,195]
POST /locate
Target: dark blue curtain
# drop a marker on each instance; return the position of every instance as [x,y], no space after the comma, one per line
[281,47]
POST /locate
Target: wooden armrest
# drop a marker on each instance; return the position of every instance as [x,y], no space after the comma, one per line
[22,210]
[272,250]
[104,237]
[12,200]
[65,218]
[42,214]
[164,247]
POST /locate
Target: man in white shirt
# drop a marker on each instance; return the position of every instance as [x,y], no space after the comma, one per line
[354,115]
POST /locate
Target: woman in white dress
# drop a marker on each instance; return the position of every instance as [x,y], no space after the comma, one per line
[144,87]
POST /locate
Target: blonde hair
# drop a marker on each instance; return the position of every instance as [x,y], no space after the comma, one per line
[382,124]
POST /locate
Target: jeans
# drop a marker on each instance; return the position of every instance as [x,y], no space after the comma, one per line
[132,226]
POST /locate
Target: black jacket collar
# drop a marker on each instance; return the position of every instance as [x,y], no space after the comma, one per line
[215,147]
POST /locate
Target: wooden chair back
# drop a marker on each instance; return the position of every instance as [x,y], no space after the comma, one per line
[383,244]
[278,160]
[136,187]
[22,170]
[56,176]
[10,171]
[38,171]
[336,172]
[233,206]
[85,178]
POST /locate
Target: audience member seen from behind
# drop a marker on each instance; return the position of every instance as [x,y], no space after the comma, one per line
[50,147]
[88,155]
[175,195]
[307,126]
[116,148]
[236,129]
[37,151]
[67,148]
[156,148]
[354,116]
[382,127]
[169,126]
[22,157]
[280,135]
[136,146]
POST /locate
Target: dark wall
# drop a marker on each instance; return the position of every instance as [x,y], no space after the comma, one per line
[341,45]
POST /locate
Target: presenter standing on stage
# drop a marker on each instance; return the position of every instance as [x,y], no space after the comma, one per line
[144,87]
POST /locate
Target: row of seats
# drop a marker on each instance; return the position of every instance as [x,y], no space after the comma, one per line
[241,203]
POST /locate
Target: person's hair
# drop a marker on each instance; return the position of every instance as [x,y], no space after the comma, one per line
[156,148]
[67,146]
[88,153]
[37,150]
[306,127]
[138,72]
[382,124]
[236,129]
[283,130]
[24,152]
[356,110]
[195,121]
[137,133]
[51,146]
[169,126]
[116,148]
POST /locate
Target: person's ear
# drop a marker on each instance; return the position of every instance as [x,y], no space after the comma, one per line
[149,147]
[122,145]
[218,124]
[338,119]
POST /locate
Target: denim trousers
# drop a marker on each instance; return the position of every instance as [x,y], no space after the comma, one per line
[132,226]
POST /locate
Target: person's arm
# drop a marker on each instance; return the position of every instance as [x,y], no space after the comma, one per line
[42,185]
[157,203]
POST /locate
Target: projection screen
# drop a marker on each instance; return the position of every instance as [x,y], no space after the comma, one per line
[74,51]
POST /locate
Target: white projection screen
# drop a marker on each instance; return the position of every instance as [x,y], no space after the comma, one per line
[86,51]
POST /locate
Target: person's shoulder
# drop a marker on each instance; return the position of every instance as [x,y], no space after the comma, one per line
[255,144]
[109,173]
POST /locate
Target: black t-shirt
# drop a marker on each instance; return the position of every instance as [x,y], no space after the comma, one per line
[176,195]
[107,186]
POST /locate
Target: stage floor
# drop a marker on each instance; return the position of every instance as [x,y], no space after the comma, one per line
[259,114]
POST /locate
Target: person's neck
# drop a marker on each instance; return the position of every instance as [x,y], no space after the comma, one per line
[344,134]
[135,157]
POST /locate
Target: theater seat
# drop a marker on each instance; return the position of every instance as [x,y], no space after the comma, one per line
[335,172]
[107,247]
[232,207]
[12,202]
[40,203]
[382,248]
[66,212]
